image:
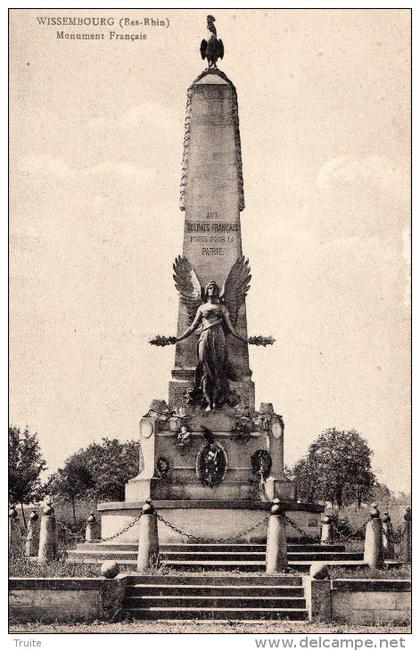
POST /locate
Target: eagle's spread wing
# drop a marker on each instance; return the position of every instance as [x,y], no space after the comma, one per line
[221,49]
[236,287]
[203,48]
[188,285]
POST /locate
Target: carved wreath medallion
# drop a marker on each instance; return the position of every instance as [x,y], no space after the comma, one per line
[211,464]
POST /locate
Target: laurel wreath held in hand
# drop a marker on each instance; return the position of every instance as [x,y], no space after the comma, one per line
[161,340]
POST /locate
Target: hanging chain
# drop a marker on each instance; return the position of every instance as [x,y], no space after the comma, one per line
[119,533]
[389,533]
[115,535]
[215,540]
[298,529]
[350,537]
[69,531]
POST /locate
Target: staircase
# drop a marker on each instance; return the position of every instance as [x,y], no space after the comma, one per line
[201,557]
[223,598]
[223,581]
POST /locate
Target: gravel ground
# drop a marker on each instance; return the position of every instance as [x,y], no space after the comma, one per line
[204,627]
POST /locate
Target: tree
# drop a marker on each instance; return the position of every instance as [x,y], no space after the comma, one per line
[336,468]
[111,464]
[381,494]
[25,466]
[70,482]
[305,476]
[97,472]
[363,488]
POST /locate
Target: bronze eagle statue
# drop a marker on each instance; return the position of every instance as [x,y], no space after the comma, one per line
[212,48]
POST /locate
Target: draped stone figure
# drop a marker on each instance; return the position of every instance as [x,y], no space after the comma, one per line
[213,314]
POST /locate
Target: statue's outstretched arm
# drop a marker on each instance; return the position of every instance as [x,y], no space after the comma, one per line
[194,325]
[231,328]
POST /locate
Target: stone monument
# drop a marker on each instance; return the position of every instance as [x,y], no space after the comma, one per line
[209,459]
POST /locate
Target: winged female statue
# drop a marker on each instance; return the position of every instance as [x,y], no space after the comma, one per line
[213,314]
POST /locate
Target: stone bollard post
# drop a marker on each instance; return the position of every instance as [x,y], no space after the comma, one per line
[388,543]
[47,550]
[318,593]
[276,550]
[31,545]
[374,552]
[148,538]
[406,542]
[13,527]
[92,528]
[326,530]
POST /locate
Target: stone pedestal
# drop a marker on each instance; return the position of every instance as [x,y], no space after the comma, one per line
[208,519]
[252,448]
[282,489]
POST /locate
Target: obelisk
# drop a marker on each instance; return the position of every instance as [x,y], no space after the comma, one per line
[212,199]
[210,462]
[211,395]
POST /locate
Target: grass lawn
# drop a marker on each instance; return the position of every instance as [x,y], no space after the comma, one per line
[21,566]
[255,628]
[402,572]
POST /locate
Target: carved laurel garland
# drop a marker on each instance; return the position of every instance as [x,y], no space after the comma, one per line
[187,137]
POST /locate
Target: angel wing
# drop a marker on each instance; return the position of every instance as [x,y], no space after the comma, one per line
[236,287]
[203,49]
[188,285]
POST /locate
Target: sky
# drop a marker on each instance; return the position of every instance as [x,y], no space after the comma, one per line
[96,131]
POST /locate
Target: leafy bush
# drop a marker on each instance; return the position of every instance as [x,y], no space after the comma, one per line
[344,529]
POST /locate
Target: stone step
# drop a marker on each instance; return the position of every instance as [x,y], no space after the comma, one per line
[245,547]
[217,566]
[206,565]
[250,566]
[233,580]
[92,555]
[168,557]
[194,601]
[210,590]
[210,547]
[314,547]
[228,614]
